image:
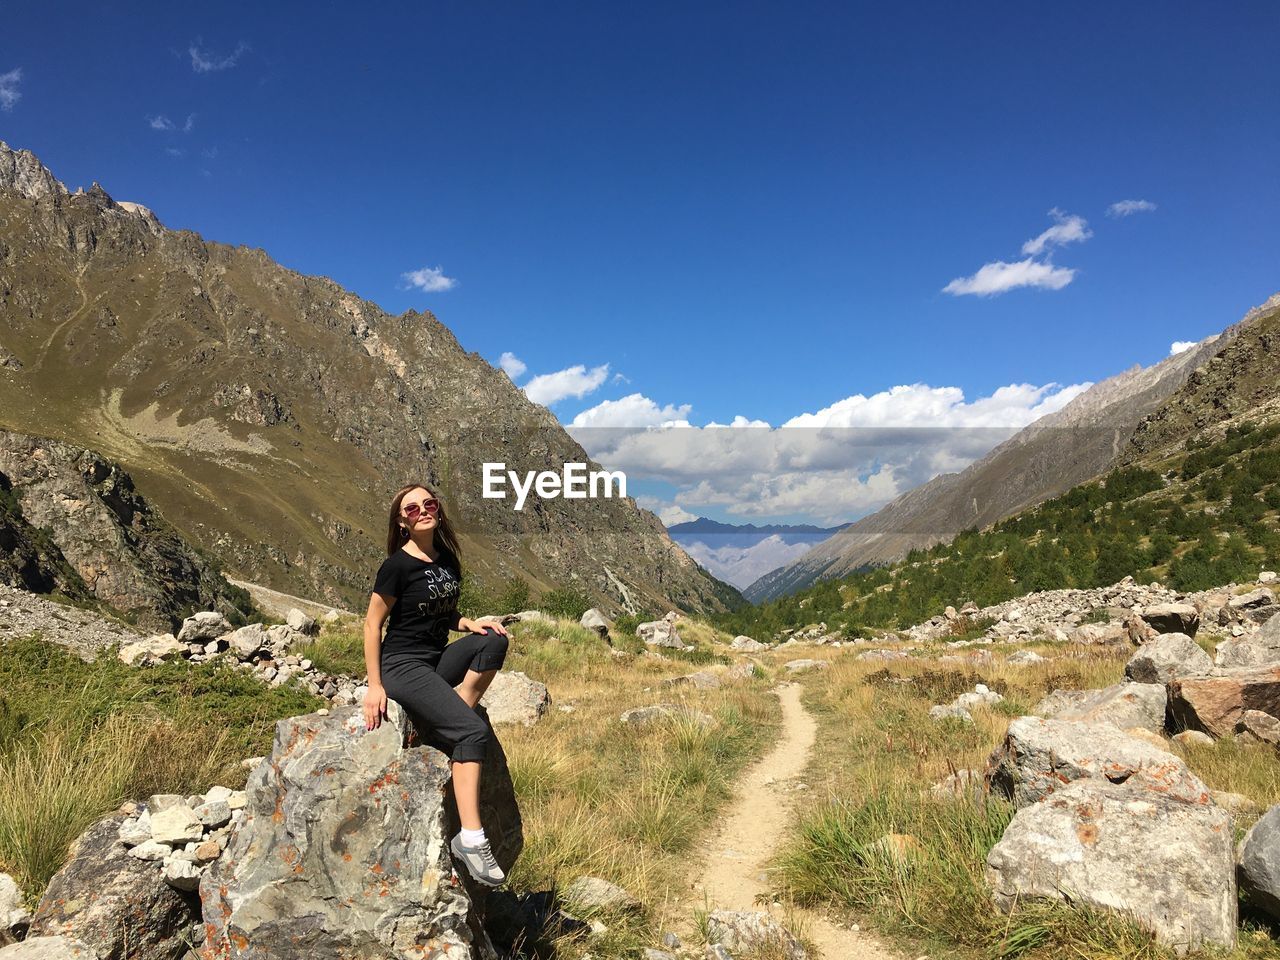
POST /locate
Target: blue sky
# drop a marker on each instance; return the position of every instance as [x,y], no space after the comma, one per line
[750,209]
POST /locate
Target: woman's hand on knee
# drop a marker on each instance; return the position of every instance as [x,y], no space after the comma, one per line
[375,707]
[482,626]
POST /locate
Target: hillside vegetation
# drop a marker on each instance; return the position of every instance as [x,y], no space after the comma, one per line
[1206,516]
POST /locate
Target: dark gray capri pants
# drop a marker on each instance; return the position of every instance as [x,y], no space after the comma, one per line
[422,683]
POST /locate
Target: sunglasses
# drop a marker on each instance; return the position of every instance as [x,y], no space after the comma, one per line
[413,510]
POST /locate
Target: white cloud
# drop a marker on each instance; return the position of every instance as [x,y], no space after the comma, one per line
[635,410]
[1180,346]
[190,123]
[1068,228]
[175,151]
[430,279]
[831,465]
[160,122]
[1126,208]
[513,365]
[203,61]
[1000,277]
[575,381]
[9,92]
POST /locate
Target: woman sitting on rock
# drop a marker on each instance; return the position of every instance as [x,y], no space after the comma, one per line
[437,685]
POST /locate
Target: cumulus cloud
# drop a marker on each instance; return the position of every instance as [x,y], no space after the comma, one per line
[575,381]
[160,122]
[634,410]
[1180,346]
[429,279]
[9,92]
[1000,277]
[1126,208]
[513,365]
[204,61]
[831,465]
[1068,228]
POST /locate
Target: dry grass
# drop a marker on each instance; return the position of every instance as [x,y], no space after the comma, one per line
[879,755]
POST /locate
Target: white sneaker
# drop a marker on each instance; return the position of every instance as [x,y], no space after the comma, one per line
[479,861]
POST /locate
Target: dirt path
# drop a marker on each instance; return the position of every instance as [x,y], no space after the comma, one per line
[751,830]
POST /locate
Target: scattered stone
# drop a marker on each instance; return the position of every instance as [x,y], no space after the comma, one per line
[213,814]
[1150,736]
[1216,704]
[150,850]
[592,893]
[248,641]
[950,711]
[14,918]
[593,619]
[1026,658]
[747,645]
[177,825]
[203,627]
[1100,633]
[661,633]
[182,874]
[1059,700]
[514,698]
[295,619]
[1254,726]
[136,830]
[1122,705]
[1253,600]
[1038,756]
[886,655]
[207,851]
[801,666]
[1260,862]
[1168,657]
[1172,618]
[1166,864]
[1267,576]
[1192,738]
[741,671]
[745,932]
[702,680]
[154,649]
[115,903]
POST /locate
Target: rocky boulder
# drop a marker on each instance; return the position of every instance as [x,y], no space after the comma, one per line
[120,906]
[343,849]
[513,698]
[1260,862]
[747,645]
[593,619]
[1166,658]
[1038,756]
[1167,864]
[1257,605]
[1254,726]
[1122,705]
[301,622]
[661,633]
[1260,648]
[1172,618]
[203,626]
[1215,704]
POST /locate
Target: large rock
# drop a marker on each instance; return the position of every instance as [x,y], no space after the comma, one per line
[343,849]
[1172,618]
[593,619]
[1254,726]
[117,904]
[1113,632]
[1166,658]
[301,622]
[1261,648]
[1215,704]
[50,948]
[1167,864]
[248,640]
[1258,605]
[513,698]
[203,626]
[661,633]
[746,644]
[164,646]
[592,893]
[1122,705]
[1260,862]
[1038,756]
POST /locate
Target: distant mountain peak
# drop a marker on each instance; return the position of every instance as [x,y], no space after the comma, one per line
[22,172]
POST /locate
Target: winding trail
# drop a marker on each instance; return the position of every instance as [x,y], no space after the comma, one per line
[736,854]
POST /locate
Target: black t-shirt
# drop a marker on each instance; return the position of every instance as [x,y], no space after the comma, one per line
[426,607]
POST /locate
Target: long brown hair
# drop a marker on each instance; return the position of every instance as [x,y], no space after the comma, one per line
[444,535]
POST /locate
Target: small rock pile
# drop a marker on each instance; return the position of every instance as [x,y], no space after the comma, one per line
[181,835]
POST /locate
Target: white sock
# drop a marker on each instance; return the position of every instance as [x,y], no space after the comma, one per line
[473,838]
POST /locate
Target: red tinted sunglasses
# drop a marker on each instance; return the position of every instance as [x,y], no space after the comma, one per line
[412,510]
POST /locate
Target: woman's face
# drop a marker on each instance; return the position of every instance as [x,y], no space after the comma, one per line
[419,511]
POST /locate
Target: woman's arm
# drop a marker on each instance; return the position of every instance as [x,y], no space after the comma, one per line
[375,700]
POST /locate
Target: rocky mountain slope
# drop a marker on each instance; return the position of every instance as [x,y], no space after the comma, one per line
[1047,458]
[79,527]
[270,415]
